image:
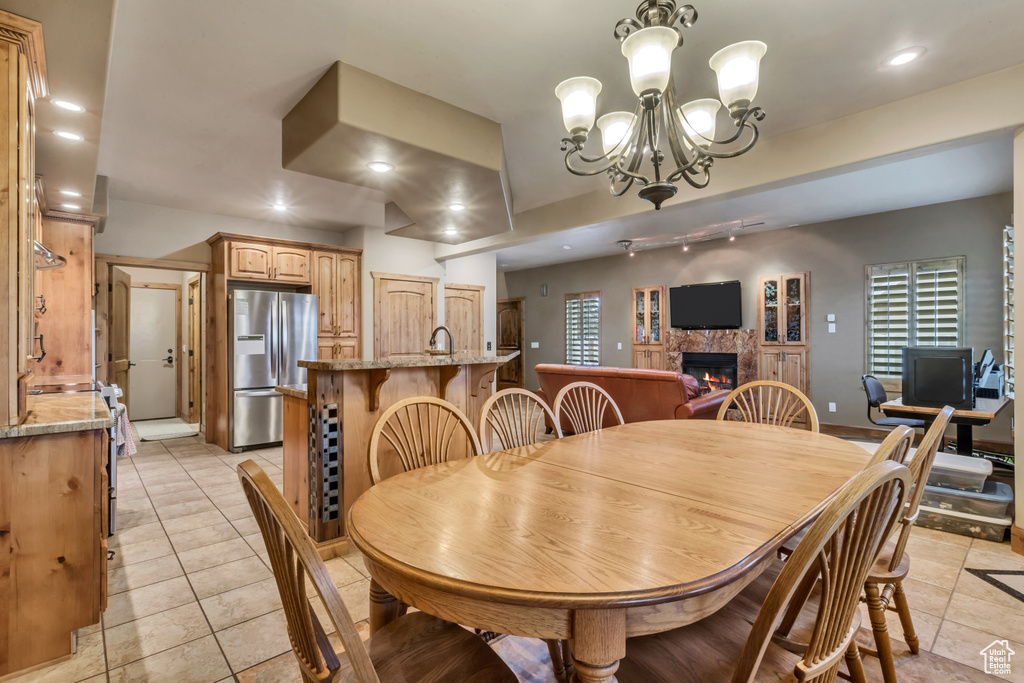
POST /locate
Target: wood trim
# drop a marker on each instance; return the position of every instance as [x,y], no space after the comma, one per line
[195,369]
[28,36]
[177,336]
[1017,539]
[40,189]
[274,241]
[65,217]
[398,276]
[164,264]
[477,288]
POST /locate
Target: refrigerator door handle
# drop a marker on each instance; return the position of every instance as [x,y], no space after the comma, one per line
[263,393]
[275,333]
[282,327]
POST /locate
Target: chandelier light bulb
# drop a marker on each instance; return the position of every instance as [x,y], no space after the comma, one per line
[698,120]
[615,130]
[738,68]
[649,52]
[579,103]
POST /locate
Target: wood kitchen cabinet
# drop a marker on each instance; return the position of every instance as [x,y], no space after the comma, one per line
[782,312]
[258,261]
[648,341]
[337,349]
[336,285]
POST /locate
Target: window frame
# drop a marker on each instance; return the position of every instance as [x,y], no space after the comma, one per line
[911,268]
[581,297]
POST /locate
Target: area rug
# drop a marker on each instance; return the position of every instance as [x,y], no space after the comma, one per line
[160,430]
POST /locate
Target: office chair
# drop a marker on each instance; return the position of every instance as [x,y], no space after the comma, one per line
[876,397]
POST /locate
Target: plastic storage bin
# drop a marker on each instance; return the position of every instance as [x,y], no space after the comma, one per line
[959,472]
[987,528]
[993,501]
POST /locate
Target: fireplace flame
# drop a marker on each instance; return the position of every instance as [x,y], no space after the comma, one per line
[711,383]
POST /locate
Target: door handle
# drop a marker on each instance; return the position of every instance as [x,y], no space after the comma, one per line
[169,359]
[42,350]
[131,364]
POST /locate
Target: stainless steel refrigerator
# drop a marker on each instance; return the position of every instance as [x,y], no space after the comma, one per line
[270,333]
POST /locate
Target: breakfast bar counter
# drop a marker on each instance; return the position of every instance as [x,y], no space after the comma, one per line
[326,464]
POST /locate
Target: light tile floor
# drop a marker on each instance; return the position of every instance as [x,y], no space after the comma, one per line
[192,598]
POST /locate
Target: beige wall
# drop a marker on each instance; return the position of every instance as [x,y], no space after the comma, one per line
[835,253]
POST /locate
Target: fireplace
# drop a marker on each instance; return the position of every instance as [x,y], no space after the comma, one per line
[713,371]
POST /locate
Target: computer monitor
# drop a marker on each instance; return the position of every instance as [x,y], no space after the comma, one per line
[937,376]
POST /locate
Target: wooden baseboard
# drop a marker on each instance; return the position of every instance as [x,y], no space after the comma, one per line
[336,547]
[879,433]
[1017,539]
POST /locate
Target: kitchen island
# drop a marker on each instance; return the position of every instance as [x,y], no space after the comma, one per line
[343,401]
[53,527]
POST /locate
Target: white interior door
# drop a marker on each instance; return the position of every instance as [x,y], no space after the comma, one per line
[154,329]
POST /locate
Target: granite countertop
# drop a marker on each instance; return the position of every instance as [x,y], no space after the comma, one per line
[293,390]
[424,361]
[60,413]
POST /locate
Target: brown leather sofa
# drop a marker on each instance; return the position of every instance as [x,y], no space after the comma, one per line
[640,394]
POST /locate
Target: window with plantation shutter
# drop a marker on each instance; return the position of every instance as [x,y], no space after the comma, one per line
[582,328]
[918,303]
[1008,353]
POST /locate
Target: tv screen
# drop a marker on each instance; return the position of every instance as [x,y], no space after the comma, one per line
[709,306]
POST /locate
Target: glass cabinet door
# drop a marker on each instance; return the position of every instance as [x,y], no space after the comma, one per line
[655,316]
[639,327]
[770,320]
[794,309]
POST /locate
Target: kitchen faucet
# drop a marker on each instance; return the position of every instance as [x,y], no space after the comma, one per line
[451,340]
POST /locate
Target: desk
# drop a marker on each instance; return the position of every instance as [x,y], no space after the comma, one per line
[985,410]
[631,530]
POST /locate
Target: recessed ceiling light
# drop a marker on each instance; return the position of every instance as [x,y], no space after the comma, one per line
[68,135]
[451,231]
[904,56]
[70,193]
[380,166]
[566,246]
[457,207]
[73,207]
[280,207]
[70,106]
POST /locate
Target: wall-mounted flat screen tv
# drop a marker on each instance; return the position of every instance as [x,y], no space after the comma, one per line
[709,306]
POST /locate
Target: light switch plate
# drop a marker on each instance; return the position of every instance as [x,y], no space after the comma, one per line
[620,346]
[534,345]
[831,328]
[831,407]
[831,317]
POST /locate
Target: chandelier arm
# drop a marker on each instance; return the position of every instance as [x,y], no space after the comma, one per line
[754,134]
[625,187]
[744,123]
[683,161]
[583,171]
[686,15]
[638,151]
[652,133]
[693,183]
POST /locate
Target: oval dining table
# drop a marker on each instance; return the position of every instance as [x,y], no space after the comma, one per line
[597,537]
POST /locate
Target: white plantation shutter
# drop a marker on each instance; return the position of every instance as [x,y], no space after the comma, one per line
[918,303]
[582,328]
[1008,310]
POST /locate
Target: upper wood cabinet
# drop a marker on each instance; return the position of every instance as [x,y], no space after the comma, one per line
[648,343]
[336,285]
[782,309]
[255,261]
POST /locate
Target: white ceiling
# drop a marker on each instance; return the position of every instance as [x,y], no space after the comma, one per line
[197,89]
[938,175]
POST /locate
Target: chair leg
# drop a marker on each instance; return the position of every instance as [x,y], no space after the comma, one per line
[796,604]
[558,660]
[903,610]
[876,610]
[854,664]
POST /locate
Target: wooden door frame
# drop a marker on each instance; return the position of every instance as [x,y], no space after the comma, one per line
[196,402]
[521,300]
[377,279]
[177,338]
[483,308]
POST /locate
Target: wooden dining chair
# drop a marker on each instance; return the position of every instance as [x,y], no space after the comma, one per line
[841,545]
[885,581]
[420,431]
[414,647]
[584,405]
[771,403]
[513,418]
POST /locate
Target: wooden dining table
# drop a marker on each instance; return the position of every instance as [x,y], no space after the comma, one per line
[597,537]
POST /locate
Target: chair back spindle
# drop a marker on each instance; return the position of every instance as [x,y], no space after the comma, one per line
[584,405]
[771,403]
[512,418]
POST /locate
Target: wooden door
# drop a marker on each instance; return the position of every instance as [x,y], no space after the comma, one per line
[769,295]
[325,349]
[656,357]
[291,265]
[770,366]
[793,311]
[509,336]
[250,261]
[346,349]
[120,329]
[405,312]
[464,316]
[325,286]
[346,310]
[195,363]
[795,369]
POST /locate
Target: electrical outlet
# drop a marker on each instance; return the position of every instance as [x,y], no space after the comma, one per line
[831,328]
[488,346]
[620,346]
[831,406]
[534,345]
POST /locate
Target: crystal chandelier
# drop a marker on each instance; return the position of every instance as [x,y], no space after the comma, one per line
[628,138]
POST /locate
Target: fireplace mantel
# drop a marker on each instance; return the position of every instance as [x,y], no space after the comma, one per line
[741,342]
